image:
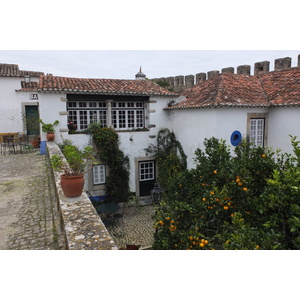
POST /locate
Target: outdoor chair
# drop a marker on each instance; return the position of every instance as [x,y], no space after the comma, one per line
[120,214]
[23,142]
[8,143]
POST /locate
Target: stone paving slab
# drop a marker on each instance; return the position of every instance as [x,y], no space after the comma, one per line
[136,227]
[29,217]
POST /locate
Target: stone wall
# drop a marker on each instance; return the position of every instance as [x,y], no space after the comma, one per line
[180,83]
[83,227]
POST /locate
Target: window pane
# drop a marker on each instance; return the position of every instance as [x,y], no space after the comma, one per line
[83,119]
[99,174]
[146,171]
[122,119]
[131,118]
[257,131]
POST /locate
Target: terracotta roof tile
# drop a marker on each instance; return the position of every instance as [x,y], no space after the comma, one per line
[274,88]
[49,83]
[282,87]
[28,87]
[12,70]
[225,89]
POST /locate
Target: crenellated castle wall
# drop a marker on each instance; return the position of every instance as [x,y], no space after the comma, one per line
[181,83]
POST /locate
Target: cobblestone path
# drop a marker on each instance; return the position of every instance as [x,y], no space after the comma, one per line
[29,216]
[136,228]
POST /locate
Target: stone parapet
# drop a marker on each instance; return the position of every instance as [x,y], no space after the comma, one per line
[83,227]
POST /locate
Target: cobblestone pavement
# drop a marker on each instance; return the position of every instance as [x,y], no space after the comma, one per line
[29,216]
[136,227]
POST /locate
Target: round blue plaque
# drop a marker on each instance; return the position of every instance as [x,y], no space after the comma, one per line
[236,138]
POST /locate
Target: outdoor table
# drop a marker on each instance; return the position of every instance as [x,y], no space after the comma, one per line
[108,208]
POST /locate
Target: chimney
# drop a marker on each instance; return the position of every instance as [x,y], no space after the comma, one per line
[228,70]
[299,61]
[245,69]
[283,63]
[200,77]
[261,67]
[212,74]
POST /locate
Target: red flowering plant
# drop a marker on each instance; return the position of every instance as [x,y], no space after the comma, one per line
[72,127]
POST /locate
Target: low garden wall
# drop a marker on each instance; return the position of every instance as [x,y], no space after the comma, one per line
[84,229]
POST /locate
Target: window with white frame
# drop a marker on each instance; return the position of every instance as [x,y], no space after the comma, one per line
[147,171]
[125,114]
[99,174]
[128,115]
[257,129]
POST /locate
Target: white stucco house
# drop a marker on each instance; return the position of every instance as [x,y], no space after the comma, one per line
[133,107]
[264,107]
[13,104]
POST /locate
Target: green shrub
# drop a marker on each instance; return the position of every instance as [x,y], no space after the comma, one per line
[248,200]
[107,143]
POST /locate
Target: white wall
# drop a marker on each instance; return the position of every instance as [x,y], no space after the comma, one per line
[52,108]
[192,126]
[282,122]
[133,143]
[10,110]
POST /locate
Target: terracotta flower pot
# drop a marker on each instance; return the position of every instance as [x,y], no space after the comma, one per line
[72,186]
[50,136]
[35,143]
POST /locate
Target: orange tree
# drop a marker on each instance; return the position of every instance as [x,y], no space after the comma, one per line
[248,200]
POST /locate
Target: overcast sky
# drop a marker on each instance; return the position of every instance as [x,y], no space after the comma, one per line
[124,64]
[114,38]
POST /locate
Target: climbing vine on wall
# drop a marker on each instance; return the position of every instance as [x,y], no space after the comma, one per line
[170,157]
[107,143]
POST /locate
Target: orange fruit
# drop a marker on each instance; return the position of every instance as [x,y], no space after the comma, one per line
[225,207]
[202,245]
[245,189]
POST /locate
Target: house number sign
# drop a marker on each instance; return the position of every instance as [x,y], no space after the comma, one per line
[33,96]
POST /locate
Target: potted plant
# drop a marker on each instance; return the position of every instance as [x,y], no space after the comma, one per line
[73,167]
[49,129]
[35,142]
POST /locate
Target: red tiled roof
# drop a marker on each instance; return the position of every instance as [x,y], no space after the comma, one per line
[12,70]
[227,89]
[49,83]
[282,87]
[28,87]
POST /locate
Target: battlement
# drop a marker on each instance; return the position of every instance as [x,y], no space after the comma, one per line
[180,83]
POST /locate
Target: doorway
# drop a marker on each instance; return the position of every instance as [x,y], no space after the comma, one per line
[32,120]
[146,177]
